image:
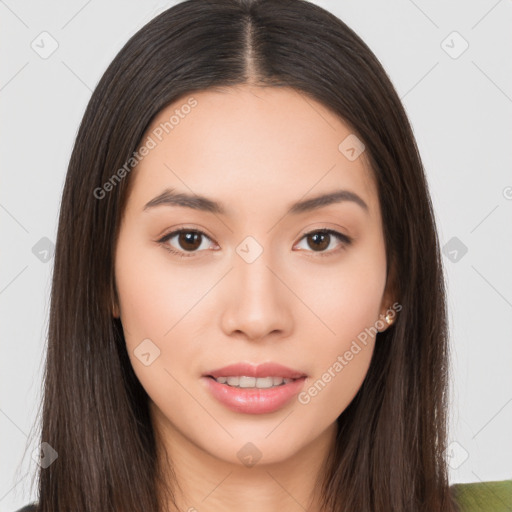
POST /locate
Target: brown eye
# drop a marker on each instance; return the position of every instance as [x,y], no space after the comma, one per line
[319,241]
[185,242]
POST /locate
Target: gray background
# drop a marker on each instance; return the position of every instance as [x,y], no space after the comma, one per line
[459,105]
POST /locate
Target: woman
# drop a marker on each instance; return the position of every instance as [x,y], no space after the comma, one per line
[248,305]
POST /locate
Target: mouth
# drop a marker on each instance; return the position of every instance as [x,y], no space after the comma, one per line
[254,389]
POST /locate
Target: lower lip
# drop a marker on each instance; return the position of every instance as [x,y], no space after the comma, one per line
[251,400]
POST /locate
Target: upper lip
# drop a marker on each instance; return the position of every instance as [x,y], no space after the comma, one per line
[256,370]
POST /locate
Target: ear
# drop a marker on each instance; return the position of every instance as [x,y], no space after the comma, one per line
[115,311]
[388,310]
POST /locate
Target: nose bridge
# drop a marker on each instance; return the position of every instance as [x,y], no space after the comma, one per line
[257,303]
[257,285]
[253,258]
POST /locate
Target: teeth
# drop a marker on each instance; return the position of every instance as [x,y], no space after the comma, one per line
[253,382]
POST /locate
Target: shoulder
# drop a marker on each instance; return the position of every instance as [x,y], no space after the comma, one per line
[28,508]
[483,496]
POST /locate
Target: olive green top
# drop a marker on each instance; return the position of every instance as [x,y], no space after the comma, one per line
[484,496]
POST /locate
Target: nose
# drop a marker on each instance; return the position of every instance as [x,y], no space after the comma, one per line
[256,304]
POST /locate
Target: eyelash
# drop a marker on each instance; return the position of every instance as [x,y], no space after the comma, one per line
[344,239]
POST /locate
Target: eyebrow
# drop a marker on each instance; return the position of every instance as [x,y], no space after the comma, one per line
[170,197]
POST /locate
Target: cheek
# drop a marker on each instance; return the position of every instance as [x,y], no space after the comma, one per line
[142,301]
[153,295]
[345,297]
[162,302]
[348,301]
[154,301]
[342,357]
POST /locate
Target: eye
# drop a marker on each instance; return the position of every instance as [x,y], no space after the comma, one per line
[188,240]
[321,239]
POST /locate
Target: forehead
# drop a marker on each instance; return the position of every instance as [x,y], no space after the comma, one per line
[250,145]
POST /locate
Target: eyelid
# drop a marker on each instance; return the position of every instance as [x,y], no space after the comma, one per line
[344,240]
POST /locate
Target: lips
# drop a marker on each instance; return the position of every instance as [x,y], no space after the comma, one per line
[252,370]
[254,400]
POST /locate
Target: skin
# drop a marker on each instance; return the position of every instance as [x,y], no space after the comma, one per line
[255,150]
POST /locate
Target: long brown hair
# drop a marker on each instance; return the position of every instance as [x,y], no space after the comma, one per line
[389,449]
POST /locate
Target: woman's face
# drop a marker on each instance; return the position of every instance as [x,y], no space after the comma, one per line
[253,287]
